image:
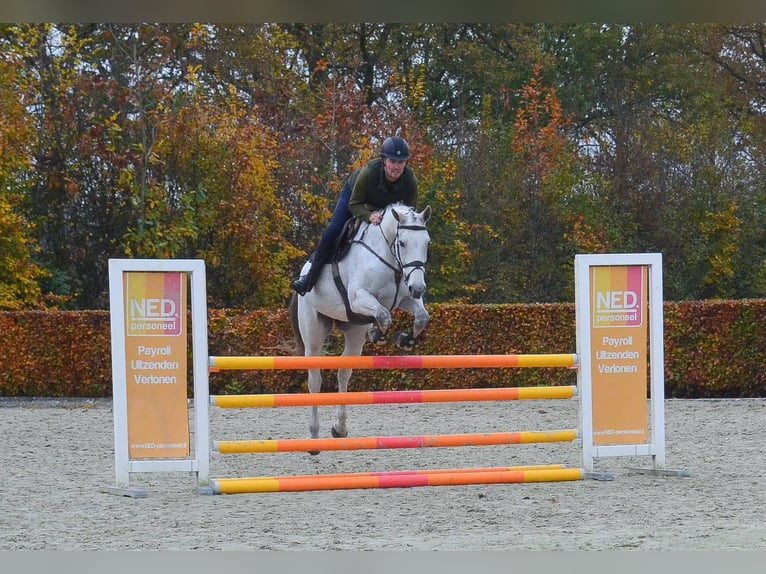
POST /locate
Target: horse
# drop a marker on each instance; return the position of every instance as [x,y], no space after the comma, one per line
[382,268]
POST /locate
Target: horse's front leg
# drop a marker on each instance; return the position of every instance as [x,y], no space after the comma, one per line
[420,321]
[365,303]
[421,318]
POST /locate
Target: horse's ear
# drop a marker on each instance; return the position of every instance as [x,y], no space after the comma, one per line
[396,214]
[426,214]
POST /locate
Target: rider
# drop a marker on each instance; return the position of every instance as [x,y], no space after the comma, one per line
[366,192]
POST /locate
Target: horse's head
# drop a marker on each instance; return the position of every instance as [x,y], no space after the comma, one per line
[410,246]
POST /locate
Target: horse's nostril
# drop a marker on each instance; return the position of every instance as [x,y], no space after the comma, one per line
[416,292]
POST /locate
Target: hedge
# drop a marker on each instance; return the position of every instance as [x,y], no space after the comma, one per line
[712,349]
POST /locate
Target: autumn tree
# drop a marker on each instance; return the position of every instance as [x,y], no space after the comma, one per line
[231,201]
[530,174]
[20,274]
[646,109]
[739,55]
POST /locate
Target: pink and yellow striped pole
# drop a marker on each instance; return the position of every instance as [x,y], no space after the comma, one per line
[389,442]
[396,479]
[392,362]
[388,397]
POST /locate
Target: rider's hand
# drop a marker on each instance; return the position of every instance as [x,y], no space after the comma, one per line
[376,217]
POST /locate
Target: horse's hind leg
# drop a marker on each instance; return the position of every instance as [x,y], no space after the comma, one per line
[339,429]
[314,330]
[353,342]
[315,384]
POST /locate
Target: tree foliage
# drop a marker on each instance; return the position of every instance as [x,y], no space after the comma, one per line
[20,274]
[532,142]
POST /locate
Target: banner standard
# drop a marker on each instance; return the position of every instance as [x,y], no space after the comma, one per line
[619,318]
[156,349]
[149,313]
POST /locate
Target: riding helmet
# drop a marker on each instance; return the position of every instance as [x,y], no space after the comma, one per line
[395,148]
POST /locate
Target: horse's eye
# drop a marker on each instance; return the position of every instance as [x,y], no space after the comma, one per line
[401,243]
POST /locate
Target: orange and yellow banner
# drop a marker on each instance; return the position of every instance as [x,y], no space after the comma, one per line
[156,355]
[619,335]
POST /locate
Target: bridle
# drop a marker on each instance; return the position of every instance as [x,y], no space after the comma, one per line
[414,265]
[401,267]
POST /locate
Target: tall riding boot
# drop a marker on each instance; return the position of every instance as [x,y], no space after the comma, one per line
[305,283]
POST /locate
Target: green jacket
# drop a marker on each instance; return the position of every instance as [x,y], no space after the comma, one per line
[371,191]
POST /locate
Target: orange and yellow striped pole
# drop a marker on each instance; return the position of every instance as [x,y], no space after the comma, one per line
[387,397]
[390,442]
[397,472]
[396,479]
[392,362]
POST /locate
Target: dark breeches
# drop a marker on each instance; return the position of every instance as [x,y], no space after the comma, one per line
[339,218]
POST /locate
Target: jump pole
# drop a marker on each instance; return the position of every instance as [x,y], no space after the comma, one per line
[402,472]
[396,480]
[392,397]
[394,362]
[389,442]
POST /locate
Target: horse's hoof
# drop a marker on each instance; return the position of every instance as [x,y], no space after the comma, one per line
[336,434]
[314,452]
[404,341]
[376,336]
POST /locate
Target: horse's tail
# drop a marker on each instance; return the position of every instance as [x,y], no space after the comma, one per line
[292,311]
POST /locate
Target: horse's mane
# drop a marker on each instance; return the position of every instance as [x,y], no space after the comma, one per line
[402,205]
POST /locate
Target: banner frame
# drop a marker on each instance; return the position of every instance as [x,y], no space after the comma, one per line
[655,447]
[199,460]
